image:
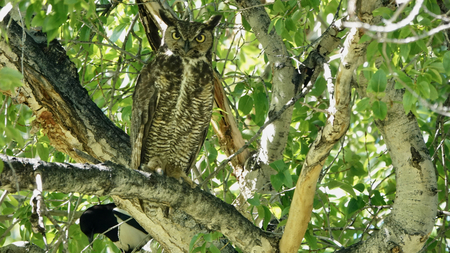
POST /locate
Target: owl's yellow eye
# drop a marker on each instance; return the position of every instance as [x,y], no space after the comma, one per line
[200,38]
[175,36]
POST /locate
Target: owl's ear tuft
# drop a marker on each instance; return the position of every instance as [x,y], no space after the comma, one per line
[167,17]
[213,21]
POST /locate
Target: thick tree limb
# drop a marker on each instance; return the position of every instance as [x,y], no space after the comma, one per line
[62,107]
[116,180]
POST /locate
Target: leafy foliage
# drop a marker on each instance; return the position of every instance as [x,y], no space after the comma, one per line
[357,187]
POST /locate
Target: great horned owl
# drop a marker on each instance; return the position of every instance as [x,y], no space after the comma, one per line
[173,99]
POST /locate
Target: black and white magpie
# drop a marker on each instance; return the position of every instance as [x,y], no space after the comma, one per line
[100,218]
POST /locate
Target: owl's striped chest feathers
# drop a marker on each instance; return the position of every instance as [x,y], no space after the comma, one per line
[183,113]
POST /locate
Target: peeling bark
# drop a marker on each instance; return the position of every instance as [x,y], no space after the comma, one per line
[63,108]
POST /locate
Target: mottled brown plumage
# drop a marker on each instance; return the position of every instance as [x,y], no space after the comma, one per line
[173,98]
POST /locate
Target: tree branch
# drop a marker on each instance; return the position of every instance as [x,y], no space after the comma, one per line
[62,107]
[116,180]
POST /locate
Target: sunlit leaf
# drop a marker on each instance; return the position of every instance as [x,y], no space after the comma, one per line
[346,187]
[379,109]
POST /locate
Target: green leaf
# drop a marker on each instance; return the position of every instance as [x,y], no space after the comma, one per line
[267,216]
[372,50]
[360,187]
[435,75]
[353,206]
[272,24]
[2,165]
[14,134]
[377,199]
[282,223]
[239,89]
[278,6]
[378,81]
[446,62]
[424,89]
[43,151]
[248,134]
[276,210]
[423,20]
[118,31]
[261,106]
[311,240]
[288,179]
[11,78]
[319,87]
[126,113]
[254,201]
[299,38]
[277,181]
[279,26]
[421,44]
[71,1]
[290,25]
[357,170]
[278,165]
[404,78]
[363,104]
[245,104]
[194,240]
[208,237]
[344,186]
[404,51]
[433,93]
[385,12]
[408,101]
[379,109]
[404,32]
[213,249]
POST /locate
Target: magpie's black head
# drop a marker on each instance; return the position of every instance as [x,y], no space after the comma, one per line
[97,219]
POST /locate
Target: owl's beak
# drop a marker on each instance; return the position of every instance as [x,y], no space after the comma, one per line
[187,46]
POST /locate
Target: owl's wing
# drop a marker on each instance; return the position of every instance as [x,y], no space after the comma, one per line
[145,102]
[193,157]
